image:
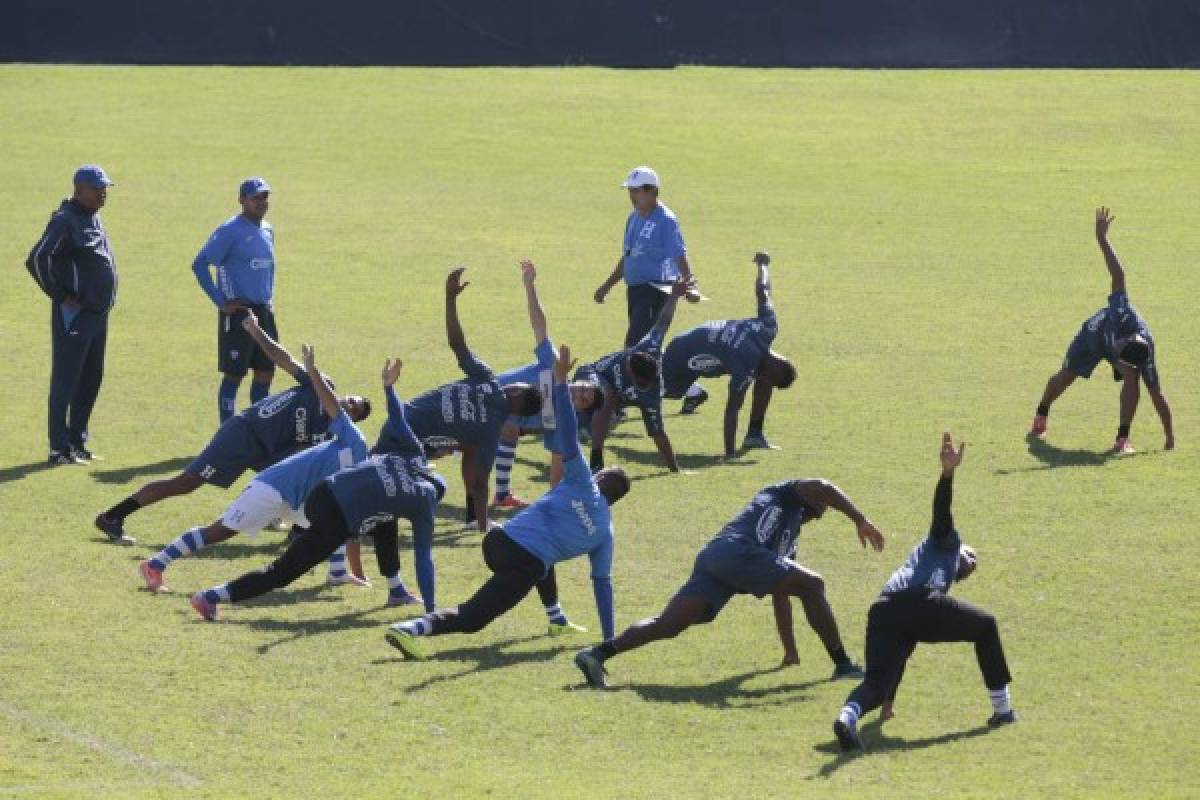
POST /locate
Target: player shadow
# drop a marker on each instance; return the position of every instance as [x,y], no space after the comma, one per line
[18,471]
[726,693]
[126,474]
[626,454]
[1052,457]
[485,657]
[298,629]
[876,741]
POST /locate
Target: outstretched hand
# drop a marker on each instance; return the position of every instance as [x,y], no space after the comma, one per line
[1104,219]
[309,354]
[391,371]
[867,532]
[563,364]
[528,272]
[454,282]
[250,322]
[762,258]
[684,286]
[951,458]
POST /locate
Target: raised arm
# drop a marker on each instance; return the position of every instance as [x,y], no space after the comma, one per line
[762,283]
[821,494]
[943,521]
[601,422]
[537,316]
[454,331]
[409,444]
[280,357]
[1104,219]
[663,324]
[329,401]
[564,410]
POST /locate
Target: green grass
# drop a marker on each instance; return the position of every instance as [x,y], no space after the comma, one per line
[931,234]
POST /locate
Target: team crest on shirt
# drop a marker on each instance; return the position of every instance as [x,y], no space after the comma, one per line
[270,408]
[369,524]
[768,523]
[703,361]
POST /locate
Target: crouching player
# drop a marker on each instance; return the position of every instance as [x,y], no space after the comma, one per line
[571,520]
[914,607]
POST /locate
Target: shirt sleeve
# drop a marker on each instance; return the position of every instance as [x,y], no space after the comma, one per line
[603,591]
[766,315]
[652,415]
[55,242]
[567,432]
[422,528]
[941,530]
[397,424]
[215,250]
[544,352]
[475,369]
[673,238]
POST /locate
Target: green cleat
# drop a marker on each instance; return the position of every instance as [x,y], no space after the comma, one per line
[405,642]
[565,628]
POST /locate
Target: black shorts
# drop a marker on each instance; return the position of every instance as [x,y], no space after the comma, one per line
[236,351]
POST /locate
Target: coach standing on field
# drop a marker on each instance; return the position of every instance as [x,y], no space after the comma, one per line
[653,257]
[243,251]
[73,264]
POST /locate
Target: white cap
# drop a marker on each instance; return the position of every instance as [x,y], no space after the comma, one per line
[641,176]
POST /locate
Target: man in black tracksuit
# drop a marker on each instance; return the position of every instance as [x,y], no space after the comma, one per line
[914,607]
[73,264]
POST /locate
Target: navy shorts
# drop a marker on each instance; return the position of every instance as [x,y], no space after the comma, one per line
[644,302]
[725,567]
[676,380]
[236,351]
[232,451]
[1083,356]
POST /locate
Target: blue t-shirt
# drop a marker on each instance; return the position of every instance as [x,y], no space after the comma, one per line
[771,520]
[932,565]
[385,488]
[573,518]
[728,346]
[244,255]
[612,375]
[652,246]
[470,411]
[1115,321]
[295,476]
[540,374]
[287,421]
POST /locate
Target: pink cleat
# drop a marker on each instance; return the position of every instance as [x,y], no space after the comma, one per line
[348,578]
[153,577]
[1122,447]
[510,501]
[1039,426]
[203,607]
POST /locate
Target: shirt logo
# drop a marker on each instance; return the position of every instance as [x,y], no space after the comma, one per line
[702,361]
[768,523]
[647,230]
[271,407]
[261,263]
[370,522]
[584,518]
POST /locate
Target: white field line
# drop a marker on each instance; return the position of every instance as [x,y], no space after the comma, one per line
[112,751]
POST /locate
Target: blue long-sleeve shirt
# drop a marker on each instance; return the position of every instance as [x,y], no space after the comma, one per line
[408,445]
[244,254]
[73,258]
[932,565]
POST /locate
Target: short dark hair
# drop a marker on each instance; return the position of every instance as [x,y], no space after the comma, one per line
[597,399]
[366,402]
[643,366]
[1135,351]
[783,372]
[531,398]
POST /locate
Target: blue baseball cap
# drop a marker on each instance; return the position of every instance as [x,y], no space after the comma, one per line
[93,175]
[253,186]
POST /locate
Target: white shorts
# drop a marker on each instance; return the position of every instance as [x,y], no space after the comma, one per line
[256,507]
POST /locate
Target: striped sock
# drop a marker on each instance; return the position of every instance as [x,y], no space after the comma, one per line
[850,713]
[337,563]
[396,587]
[556,615]
[1001,703]
[421,626]
[190,542]
[506,454]
[217,594]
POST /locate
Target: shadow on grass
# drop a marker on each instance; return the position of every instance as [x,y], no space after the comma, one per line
[484,657]
[298,629]
[1054,457]
[126,474]
[876,741]
[686,461]
[726,693]
[18,471]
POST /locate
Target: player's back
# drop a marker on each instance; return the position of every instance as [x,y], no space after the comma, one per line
[570,520]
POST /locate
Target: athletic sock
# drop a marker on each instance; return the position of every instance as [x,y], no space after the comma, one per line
[839,656]
[506,453]
[1001,703]
[1123,431]
[555,614]
[226,399]
[694,390]
[337,563]
[259,391]
[396,587]
[1043,410]
[217,594]
[850,713]
[421,626]
[189,542]
[123,509]
[605,650]
[755,427]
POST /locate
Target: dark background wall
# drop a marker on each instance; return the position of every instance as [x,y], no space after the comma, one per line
[847,33]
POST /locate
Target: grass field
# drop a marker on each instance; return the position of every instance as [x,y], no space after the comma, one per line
[933,255]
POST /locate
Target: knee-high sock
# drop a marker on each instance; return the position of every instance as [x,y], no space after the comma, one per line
[506,454]
[189,542]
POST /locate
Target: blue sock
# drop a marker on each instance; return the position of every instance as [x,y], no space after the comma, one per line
[258,391]
[506,453]
[337,563]
[396,587]
[189,542]
[227,399]
[217,594]
[555,614]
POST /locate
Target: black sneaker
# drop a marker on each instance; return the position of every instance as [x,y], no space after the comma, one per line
[690,403]
[757,441]
[592,668]
[998,719]
[60,458]
[847,670]
[847,737]
[114,530]
[82,454]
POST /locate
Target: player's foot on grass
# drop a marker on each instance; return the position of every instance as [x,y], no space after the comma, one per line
[203,607]
[758,441]
[509,501]
[692,402]
[83,455]
[347,578]
[60,458]
[403,600]
[592,668]
[848,670]
[114,529]
[565,628]
[405,642]
[998,719]
[847,736]
[1122,447]
[153,577]
[1038,428]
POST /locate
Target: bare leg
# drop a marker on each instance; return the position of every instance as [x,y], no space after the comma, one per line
[1130,394]
[1057,384]
[680,614]
[217,533]
[354,558]
[183,483]
[809,587]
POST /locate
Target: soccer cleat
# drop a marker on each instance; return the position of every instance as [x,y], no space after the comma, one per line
[847,670]
[58,458]
[153,577]
[83,455]
[692,402]
[403,600]
[114,530]
[847,736]
[347,578]
[567,627]
[1122,447]
[1038,428]
[405,642]
[592,668]
[509,501]
[203,607]
[998,719]
[757,441]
